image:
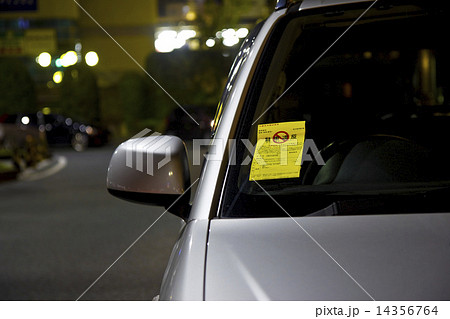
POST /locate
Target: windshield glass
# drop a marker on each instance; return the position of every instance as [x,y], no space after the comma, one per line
[371,96]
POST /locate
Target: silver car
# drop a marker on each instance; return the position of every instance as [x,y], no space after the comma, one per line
[327,177]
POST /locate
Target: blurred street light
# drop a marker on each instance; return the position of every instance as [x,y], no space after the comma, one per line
[165,41]
[69,58]
[194,44]
[228,33]
[242,33]
[186,34]
[189,13]
[191,16]
[169,40]
[210,43]
[231,36]
[57,77]
[163,45]
[230,41]
[25,120]
[44,59]
[91,58]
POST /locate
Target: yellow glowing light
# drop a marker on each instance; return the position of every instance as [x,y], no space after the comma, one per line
[191,16]
[69,58]
[367,55]
[46,110]
[57,77]
[91,58]
[44,59]
[194,44]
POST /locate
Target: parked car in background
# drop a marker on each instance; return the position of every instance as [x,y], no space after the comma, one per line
[21,146]
[337,182]
[61,131]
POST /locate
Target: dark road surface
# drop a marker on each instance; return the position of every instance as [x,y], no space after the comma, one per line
[59,233]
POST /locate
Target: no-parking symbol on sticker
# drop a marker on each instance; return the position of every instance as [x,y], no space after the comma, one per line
[280,137]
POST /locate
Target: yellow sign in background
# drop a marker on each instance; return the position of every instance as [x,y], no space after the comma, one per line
[278,151]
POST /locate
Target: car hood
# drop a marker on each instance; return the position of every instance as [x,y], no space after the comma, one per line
[376,257]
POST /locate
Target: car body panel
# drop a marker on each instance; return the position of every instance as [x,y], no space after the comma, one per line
[392,257]
[184,276]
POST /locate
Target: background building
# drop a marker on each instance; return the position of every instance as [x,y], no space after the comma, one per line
[50,41]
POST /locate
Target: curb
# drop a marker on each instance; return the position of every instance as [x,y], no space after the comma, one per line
[43,169]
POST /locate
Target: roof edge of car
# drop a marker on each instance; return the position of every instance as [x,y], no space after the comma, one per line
[311,4]
[283,4]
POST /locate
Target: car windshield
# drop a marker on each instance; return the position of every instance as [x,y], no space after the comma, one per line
[370,92]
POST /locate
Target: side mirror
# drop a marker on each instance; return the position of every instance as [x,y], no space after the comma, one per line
[152,170]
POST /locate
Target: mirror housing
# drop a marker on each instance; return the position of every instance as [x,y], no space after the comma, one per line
[152,170]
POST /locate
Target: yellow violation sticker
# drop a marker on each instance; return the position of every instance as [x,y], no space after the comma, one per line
[278,151]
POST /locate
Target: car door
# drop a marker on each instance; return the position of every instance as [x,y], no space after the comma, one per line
[364,214]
